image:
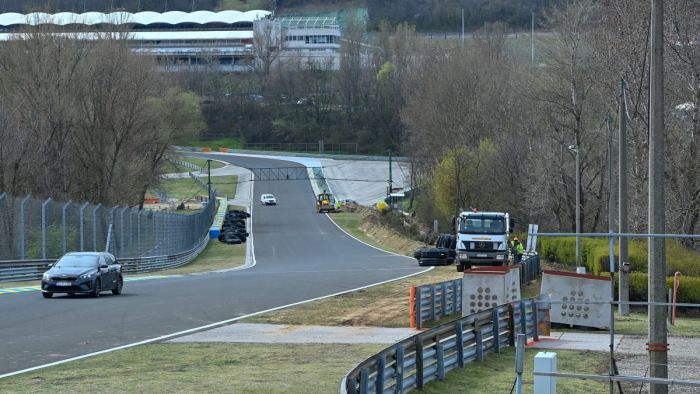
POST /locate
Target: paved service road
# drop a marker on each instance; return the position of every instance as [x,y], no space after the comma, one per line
[298,255]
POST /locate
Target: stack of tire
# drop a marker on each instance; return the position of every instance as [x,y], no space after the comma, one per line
[443,254]
[233,230]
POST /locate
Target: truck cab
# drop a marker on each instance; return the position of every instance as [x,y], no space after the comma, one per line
[482,239]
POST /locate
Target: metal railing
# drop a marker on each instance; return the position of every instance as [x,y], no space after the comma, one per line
[432,302]
[429,355]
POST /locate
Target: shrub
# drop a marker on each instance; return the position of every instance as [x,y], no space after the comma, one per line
[595,254]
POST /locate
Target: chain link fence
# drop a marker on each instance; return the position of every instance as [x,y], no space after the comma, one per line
[34,229]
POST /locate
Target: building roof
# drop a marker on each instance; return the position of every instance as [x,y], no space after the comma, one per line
[308,22]
[140,18]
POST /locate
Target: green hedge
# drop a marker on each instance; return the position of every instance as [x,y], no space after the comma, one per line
[688,288]
[595,256]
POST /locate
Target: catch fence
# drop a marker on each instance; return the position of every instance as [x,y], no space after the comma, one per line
[38,229]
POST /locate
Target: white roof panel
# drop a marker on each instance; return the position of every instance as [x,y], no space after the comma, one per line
[158,35]
[143,18]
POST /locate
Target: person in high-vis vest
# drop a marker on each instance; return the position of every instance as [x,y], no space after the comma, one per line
[516,250]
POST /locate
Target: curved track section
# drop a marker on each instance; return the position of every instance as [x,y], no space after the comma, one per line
[300,255]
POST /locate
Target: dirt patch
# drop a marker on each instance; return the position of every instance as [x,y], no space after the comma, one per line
[373,226]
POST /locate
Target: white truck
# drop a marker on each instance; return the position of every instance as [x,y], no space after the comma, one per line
[482,239]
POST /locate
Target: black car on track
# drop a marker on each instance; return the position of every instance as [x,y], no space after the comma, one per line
[83,272]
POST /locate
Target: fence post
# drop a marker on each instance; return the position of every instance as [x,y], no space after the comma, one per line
[43,227]
[399,369]
[443,299]
[459,337]
[94,227]
[535,334]
[63,223]
[134,211]
[511,325]
[419,308]
[496,329]
[82,227]
[1,197]
[441,362]
[121,214]
[112,229]
[479,339]
[419,360]
[21,226]
[433,315]
[379,377]
[523,318]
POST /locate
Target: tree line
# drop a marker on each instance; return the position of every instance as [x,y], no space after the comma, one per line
[482,123]
[492,130]
[86,120]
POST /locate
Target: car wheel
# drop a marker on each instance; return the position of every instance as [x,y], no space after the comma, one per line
[120,284]
[97,289]
[47,294]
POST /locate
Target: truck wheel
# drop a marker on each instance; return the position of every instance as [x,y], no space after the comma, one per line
[460,267]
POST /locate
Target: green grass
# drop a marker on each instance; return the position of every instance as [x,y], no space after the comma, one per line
[350,222]
[188,188]
[201,367]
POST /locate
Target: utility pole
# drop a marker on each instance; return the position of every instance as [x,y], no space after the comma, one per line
[532,38]
[577,151]
[209,179]
[658,338]
[462,26]
[624,281]
[611,182]
[391,181]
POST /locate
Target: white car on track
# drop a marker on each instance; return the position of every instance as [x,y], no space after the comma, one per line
[268,199]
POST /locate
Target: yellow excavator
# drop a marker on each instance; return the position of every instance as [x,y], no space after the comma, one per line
[325,202]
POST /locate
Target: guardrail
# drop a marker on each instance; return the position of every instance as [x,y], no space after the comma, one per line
[429,355]
[26,270]
[435,301]
[529,268]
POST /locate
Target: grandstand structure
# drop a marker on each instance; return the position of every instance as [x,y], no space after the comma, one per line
[225,40]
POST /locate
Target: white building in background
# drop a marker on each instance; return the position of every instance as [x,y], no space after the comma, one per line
[203,39]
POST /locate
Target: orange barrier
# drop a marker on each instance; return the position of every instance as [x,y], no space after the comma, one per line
[206,149]
[223,149]
[151,200]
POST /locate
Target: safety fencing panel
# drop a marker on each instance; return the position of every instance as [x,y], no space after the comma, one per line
[429,355]
[33,229]
[431,302]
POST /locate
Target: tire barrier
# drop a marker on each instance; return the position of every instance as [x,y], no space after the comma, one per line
[444,252]
[233,228]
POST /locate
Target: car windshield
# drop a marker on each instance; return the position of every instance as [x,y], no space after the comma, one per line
[77,260]
[482,226]
[268,196]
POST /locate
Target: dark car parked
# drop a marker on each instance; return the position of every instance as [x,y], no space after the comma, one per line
[83,272]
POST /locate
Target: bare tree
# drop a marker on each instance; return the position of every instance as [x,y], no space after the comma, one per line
[267,44]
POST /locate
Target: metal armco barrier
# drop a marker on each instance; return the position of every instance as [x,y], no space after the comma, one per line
[431,302]
[16,271]
[530,268]
[429,355]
